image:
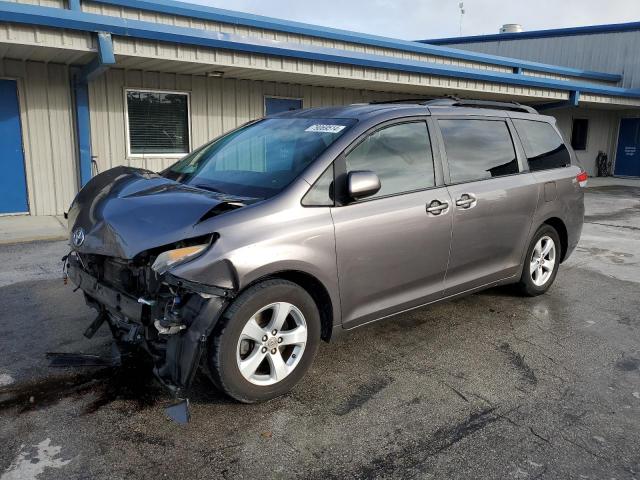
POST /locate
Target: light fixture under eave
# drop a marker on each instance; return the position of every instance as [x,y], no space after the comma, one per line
[215,74]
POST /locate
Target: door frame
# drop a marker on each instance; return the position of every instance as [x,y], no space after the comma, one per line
[21,122]
[523,165]
[340,169]
[340,174]
[523,169]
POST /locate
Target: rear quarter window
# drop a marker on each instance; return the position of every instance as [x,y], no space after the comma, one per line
[544,148]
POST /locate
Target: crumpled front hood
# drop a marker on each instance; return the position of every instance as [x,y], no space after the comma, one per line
[125,211]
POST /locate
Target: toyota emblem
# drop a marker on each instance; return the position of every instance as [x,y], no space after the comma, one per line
[77,238]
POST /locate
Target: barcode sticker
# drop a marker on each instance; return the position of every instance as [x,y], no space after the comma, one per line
[325,128]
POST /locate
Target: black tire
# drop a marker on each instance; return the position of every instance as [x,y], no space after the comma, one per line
[526,284]
[223,345]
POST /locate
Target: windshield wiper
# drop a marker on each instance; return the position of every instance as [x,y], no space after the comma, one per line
[208,187]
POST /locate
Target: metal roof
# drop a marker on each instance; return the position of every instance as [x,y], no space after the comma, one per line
[82,21]
[202,12]
[554,32]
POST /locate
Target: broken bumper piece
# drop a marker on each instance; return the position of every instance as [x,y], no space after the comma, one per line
[171,321]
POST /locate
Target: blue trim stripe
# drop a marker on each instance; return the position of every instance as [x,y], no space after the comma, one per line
[103,60]
[59,18]
[172,7]
[555,32]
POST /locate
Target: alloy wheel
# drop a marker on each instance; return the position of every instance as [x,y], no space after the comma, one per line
[271,343]
[542,261]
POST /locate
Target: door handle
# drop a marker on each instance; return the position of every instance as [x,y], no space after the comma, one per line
[436,207]
[467,200]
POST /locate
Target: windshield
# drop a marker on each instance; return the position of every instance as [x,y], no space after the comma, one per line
[260,159]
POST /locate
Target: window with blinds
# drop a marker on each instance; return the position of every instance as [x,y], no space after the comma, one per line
[158,122]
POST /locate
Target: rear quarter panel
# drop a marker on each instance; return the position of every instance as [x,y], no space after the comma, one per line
[561,197]
[560,194]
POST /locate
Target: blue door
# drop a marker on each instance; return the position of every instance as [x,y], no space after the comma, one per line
[13,185]
[273,105]
[628,154]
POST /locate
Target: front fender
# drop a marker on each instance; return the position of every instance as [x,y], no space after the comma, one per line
[298,240]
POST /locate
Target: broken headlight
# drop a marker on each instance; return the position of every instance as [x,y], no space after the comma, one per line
[171,258]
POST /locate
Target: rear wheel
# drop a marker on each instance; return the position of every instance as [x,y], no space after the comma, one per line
[541,263]
[266,341]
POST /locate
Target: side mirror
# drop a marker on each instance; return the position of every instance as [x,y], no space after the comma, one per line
[363,183]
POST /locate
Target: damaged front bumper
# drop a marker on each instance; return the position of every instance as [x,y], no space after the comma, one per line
[171,319]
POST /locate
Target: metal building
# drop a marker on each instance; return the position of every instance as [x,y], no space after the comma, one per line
[607,48]
[87,85]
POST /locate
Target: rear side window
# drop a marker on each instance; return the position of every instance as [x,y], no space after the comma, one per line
[542,145]
[400,155]
[478,149]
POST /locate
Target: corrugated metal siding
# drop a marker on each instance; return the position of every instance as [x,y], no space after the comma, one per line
[189,22]
[61,46]
[217,105]
[43,3]
[66,46]
[602,133]
[606,52]
[598,58]
[124,46]
[553,76]
[48,134]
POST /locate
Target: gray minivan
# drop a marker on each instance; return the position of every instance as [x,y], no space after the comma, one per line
[246,253]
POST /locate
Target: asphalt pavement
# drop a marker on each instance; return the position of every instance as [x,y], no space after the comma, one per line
[489,386]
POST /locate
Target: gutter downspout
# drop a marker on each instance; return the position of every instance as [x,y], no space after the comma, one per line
[80,83]
[83,128]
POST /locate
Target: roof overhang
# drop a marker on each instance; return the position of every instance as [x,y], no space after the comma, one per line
[87,22]
[172,7]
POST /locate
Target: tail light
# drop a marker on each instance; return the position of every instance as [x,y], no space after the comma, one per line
[582,178]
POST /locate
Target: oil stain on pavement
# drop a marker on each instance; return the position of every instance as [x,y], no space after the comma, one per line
[131,383]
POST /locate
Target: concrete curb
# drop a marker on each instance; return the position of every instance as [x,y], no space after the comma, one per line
[44,238]
[26,228]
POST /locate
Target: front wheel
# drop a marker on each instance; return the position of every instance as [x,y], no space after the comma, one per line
[265,342]
[541,263]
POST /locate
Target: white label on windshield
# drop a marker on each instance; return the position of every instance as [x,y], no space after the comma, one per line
[325,128]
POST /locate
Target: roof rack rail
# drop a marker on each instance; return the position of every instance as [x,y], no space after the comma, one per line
[513,106]
[452,101]
[419,101]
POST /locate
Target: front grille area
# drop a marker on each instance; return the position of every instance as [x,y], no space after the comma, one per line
[120,275]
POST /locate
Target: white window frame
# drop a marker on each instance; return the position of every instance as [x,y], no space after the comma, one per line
[126,123]
[264,101]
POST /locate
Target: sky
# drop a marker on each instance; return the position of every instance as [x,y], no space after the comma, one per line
[423,19]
